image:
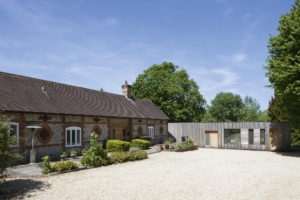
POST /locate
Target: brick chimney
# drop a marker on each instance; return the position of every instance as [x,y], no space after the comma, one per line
[126,89]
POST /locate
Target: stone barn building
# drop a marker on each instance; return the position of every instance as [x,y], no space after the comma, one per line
[68,114]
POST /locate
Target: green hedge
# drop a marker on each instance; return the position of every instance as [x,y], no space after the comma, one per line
[120,157]
[139,143]
[117,146]
[63,166]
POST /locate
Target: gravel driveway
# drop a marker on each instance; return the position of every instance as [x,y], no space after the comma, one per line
[201,174]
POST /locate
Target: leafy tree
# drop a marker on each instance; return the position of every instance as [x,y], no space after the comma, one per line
[227,107]
[4,149]
[276,110]
[251,109]
[172,91]
[7,154]
[284,64]
[263,116]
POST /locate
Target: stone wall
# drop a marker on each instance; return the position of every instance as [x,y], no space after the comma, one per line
[50,139]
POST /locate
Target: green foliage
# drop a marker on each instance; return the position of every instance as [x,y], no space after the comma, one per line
[184,145]
[141,144]
[117,146]
[226,107]
[208,117]
[134,149]
[296,138]
[284,66]
[4,149]
[7,154]
[58,166]
[73,153]
[95,156]
[172,91]
[276,110]
[64,154]
[251,109]
[120,157]
[190,141]
[46,165]
[167,142]
[63,166]
[263,116]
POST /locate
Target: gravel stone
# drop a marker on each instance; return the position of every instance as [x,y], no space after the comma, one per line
[201,174]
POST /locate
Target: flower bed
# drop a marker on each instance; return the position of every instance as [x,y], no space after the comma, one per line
[191,148]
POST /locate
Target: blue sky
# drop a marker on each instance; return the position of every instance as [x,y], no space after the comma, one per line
[100,44]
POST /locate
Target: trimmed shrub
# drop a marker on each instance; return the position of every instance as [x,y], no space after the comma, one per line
[139,143]
[46,165]
[120,157]
[95,156]
[133,149]
[63,166]
[117,146]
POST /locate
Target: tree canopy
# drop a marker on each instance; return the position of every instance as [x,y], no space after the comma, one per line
[229,107]
[251,109]
[226,107]
[171,90]
[284,64]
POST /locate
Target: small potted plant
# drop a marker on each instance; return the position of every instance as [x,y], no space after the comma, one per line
[167,143]
[63,156]
[73,153]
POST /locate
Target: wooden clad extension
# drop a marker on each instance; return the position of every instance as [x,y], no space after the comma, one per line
[266,135]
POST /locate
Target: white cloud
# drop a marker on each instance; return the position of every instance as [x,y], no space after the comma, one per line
[238,57]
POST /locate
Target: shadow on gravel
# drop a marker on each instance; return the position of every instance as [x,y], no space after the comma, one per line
[19,188]
[290,153]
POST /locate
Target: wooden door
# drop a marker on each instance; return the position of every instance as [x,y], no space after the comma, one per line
[273,139]
[213,139]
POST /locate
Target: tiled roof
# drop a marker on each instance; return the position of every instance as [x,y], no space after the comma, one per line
[24,94]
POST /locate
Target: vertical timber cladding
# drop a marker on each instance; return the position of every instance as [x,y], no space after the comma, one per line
[196,131]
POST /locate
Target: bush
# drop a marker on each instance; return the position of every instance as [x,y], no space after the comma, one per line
[7,155]
[73,153]
[120,157]
[95,156]
[46,165]
[190,141]
[141,144]
[63,166]
[57,167]
[167,142]
[184,145]
[117,146]
[133,149]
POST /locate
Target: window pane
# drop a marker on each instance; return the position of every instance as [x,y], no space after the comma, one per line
[207,139]
[73,137]
[262,136]
[250,136]
[232,136]
[78,137]
[68,137]
[13,133]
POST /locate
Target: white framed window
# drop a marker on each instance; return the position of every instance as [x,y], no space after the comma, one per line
[13,132]
[151,131]
[73,136]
